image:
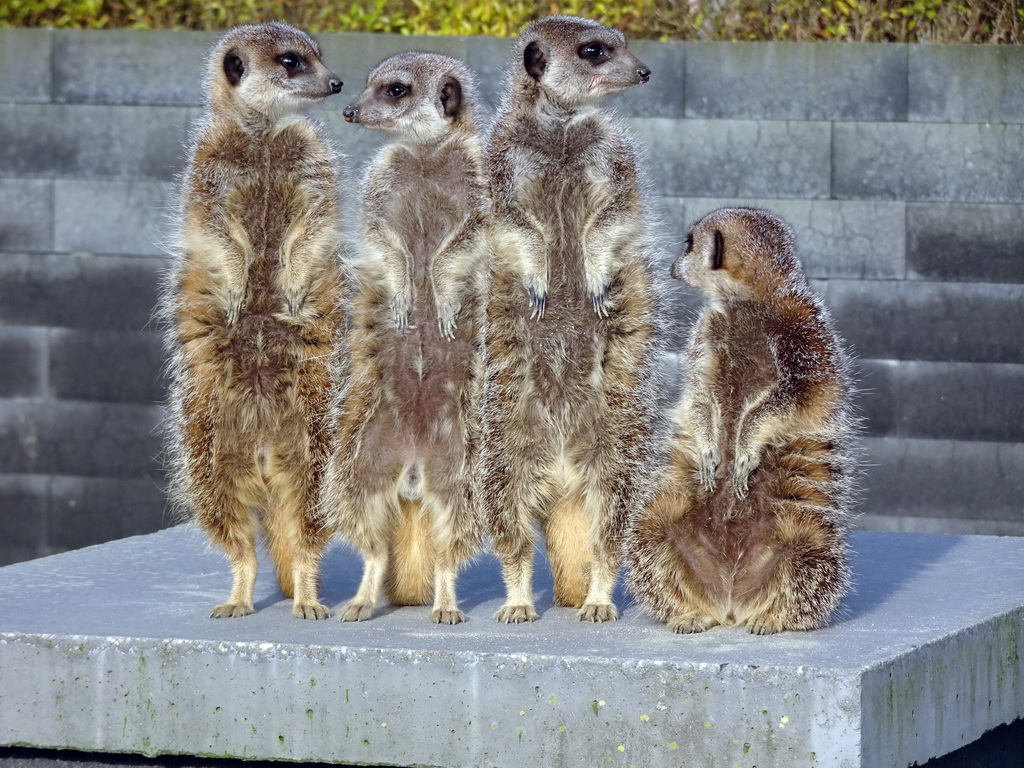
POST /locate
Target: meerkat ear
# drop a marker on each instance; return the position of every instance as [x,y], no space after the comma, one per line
[534,60]
[718,256]
[451,97]
[234,68]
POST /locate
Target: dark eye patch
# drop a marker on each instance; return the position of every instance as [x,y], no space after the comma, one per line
[397,90]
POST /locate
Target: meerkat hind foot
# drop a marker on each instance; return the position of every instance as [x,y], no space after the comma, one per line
[515,614]
[447,616]
[231,610]
[598,612]
[313,611]
[765,625]
[353,611]
[690,625]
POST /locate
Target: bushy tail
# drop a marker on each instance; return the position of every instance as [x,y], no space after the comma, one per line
[410,578]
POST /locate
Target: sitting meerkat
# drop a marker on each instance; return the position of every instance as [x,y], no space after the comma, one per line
[401,485]
[748,524]
[571,340]
[252,309]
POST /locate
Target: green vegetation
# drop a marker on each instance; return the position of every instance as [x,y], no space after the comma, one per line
[945,21]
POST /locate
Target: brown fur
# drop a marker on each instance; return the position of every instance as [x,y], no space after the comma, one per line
[252,309]
[749,520]
[572,319]
[401,482]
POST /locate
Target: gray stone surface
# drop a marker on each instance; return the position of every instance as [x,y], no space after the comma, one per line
[92,141]
[109,649]
[23,358]
[834,238]
[115,293]
[24,509]
[106,366]
[971,481]
[80,509]
[119,66]
[79,438]
[793,81]
[966,83]
[912,320]
[113,216]
[981,243]
[666,93]
[25,70]
[737,158]
[940,162]
[26,214]
[943,401]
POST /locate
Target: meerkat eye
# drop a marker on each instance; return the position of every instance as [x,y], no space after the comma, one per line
[397,90]
[289,61]
[594,52]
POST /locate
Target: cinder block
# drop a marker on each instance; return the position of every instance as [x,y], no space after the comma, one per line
[737,158]
[87,141]
[949,163]
[76,438]
[981,243]
[113,216]
[489,58]
[966,83]
[877,397]
[106,366]
[794,81]
[116,293]
[88,510]
[24,517]
[912,320]
[26,74]
[352,56]
[943,479]
[23,352]
[121,66]
[834,238]
[26,214]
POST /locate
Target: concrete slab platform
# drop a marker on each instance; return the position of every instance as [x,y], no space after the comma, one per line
[110,649]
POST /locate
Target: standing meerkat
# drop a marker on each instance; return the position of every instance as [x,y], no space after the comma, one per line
[400,484]
[571,345]
[748,523]
[252,305]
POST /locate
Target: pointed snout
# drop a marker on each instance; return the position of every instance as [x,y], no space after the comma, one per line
[335,84]
[643,72]
[351,113]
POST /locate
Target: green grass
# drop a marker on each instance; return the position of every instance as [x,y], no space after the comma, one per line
[939,21]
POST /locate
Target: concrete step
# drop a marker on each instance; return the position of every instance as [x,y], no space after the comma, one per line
[110,649]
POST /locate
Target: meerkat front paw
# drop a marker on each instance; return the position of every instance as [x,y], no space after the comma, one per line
[537,289]
[294,299]
[708,468]
[447,616]
[746,463]
[690,625]
[447,312]
[401,309]
[598,287]
[313,611]
[353,611]
[231,610]
[515,614]
[234,306]
[598,612]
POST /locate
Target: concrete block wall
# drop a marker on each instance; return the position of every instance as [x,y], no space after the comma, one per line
[900,167]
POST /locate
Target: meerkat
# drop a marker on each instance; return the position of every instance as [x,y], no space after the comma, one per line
[571,340]
[252,309]
[748,523]
[400,484]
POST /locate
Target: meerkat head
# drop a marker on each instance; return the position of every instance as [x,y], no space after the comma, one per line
[271,69]
[415,96]
[738,253]
[574,61]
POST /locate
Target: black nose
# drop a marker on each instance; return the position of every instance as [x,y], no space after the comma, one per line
[336,85]
[350,113]
[644,73]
